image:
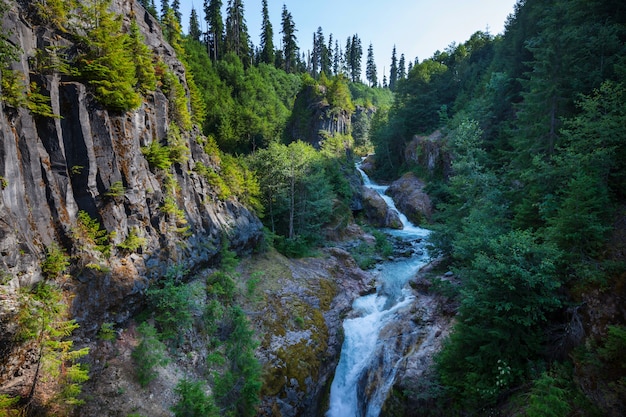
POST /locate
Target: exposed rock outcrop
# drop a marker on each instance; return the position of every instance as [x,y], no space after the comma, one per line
[430,153]
[54,167]
[409,196]
[302,324]
[313,117]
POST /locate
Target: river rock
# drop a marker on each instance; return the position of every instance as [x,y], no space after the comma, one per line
[409,196]
[377,212]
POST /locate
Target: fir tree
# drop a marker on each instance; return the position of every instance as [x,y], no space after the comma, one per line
[356,54]
[176,9]
[370,71]
[290,45]
[108,64]
[337,59]
[215,31]
[331,55]
[194,26]
[237,38]
[267,37]
[401,68]
[144,68]
[393,70]
[165,6]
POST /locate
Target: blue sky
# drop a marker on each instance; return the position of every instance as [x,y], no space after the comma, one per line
[418,28]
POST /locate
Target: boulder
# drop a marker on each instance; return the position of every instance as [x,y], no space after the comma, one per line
[409,196]
[377,212]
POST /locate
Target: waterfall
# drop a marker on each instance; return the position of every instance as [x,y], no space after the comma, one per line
[362,348]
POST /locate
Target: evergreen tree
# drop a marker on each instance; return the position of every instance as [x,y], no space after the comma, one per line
[194,26]
[108,64]
[354,54]
[237,38]
[337,59]
[290,45]
[370,70]
[393,70]
[215,28]
[267,37]
[401,68]
[315,55]
[176,10]
[331,56]
[323,54]
[8,51]
[144,68]
[165,6]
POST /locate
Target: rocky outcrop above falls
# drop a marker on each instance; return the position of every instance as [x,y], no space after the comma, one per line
[313,118]
[409,196]
[429,153]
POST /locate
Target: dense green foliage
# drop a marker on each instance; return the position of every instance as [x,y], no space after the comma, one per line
[533,121]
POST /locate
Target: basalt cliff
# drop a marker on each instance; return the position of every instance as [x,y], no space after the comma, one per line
[86,162]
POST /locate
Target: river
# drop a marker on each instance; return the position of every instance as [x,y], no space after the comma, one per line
[361,349]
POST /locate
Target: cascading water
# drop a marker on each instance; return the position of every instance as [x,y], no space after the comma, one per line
[361,333]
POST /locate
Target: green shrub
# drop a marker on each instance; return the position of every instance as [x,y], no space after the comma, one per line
[148,354]
[56,261]
[158,156]
[193,402]
[176,145]
[116,190]
[171,310]
[89,231]
[133,241]
[106,332]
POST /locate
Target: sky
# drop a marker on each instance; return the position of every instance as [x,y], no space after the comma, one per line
[418,28]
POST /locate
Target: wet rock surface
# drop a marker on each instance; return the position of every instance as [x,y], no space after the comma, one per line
[409,196]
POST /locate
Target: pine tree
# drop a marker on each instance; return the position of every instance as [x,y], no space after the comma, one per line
[267,37]
[290,46]
[176,9]
[194,26]
[401,68]
[237,38]
[331,55]
[144,68]
[337,59]
[165,6]
[370,71]
[356,54]
[215,31]
[393,70]
[108,64]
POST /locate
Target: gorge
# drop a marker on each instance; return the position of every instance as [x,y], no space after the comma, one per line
[183,232]
[372,351]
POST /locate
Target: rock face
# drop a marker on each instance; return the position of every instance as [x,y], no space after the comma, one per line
[417,335]
[409,196]
[302,324]
[53,168]
[377,212]
[429,152]
[313,117]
